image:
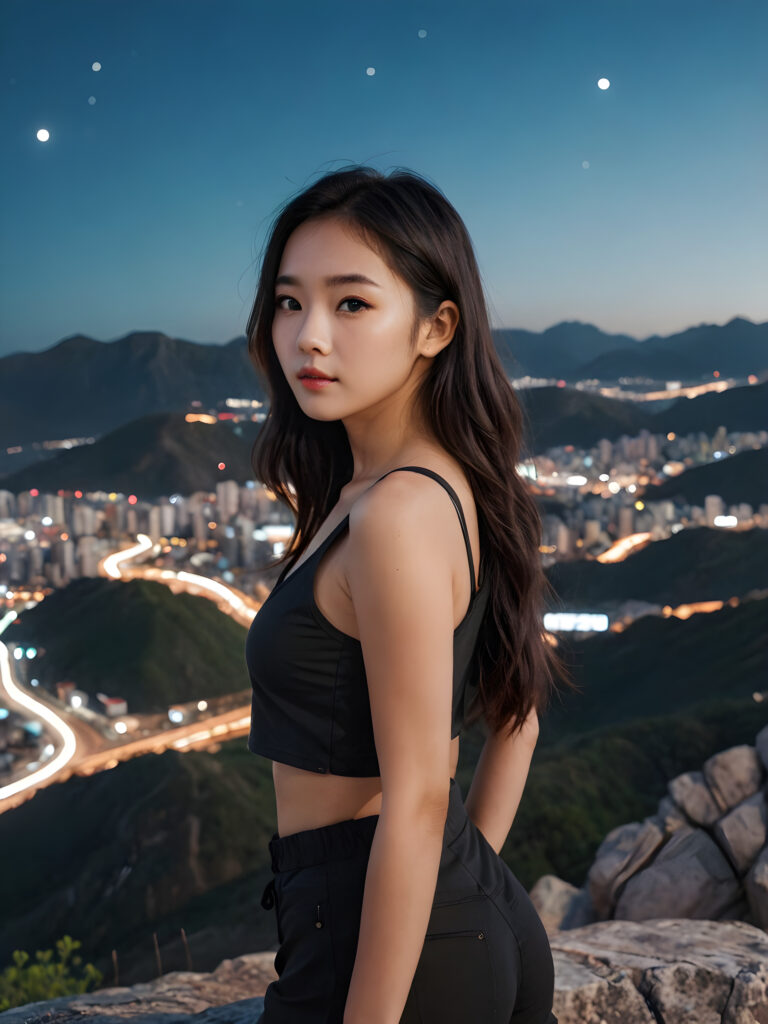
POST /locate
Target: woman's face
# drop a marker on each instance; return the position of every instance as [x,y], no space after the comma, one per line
[358,332]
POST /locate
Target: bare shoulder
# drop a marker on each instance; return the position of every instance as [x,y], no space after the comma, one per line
[406,513]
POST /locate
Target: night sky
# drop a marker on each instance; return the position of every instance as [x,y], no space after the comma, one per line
[641,207]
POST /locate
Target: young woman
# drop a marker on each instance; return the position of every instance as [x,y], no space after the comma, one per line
[393,435]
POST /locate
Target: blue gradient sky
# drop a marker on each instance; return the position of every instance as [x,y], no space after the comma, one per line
[146,210]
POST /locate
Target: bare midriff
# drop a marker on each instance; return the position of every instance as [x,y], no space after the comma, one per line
[310,800]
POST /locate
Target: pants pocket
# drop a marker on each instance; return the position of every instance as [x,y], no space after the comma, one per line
[454,980]
[304,962]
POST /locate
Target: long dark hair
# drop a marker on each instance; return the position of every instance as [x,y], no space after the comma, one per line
[465,396]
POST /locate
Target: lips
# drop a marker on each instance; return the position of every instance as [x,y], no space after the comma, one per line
[314,375]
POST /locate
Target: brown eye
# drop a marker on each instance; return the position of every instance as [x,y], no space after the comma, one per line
[359,303]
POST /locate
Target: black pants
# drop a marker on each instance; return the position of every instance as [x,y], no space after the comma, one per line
[486,956]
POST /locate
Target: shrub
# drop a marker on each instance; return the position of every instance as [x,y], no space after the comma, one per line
[45,979]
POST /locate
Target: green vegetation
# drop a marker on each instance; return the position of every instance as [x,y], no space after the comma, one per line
[154,455]
[132,844]
[44,979]
[702,564]
[136,640]
[659,667]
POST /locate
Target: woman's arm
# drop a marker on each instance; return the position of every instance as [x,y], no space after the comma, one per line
[499,781]
[399,889]
[400,581]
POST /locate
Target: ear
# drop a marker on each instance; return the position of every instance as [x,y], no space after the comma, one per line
[439,330]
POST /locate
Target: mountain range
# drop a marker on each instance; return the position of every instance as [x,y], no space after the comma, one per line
[84,387]
[162,453]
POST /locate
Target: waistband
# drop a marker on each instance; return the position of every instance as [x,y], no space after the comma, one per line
[349,838]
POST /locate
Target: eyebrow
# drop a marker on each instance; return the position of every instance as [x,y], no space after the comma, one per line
[331,282]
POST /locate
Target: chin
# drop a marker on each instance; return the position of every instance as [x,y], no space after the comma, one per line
[321,415]
[324,419]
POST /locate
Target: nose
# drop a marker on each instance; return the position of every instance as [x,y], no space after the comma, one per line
[313,343]
[314,332]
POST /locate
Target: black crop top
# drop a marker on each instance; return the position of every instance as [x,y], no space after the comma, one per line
[309,706]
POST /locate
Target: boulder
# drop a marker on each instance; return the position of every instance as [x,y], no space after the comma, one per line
[761,746]
[560,904]
[692,794]
[623,852]
[742,832]
[688,972]
[756,888]
[733,775]
[668,816]
[690,877]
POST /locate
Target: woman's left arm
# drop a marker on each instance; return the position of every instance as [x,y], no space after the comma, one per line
[399,889]
[400,583]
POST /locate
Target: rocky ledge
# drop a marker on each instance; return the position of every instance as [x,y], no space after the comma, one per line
[661,971]
[704,854]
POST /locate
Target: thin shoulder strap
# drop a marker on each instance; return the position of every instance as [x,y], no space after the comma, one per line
[318,551]
[455,499]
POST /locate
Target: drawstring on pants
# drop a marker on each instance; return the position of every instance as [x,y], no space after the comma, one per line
[268,901]
[268,896]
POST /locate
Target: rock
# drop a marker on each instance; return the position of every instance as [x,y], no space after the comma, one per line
[581,910]
[761,746]
[742,832]
[691,793]
[665,866]
[733,775]
[622,853]
[689,971]
[756,888]
[233,993]
[587,990]
[560,904]
[615,972]
[668,816]
[737,911]
[690,877]
[552,897]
